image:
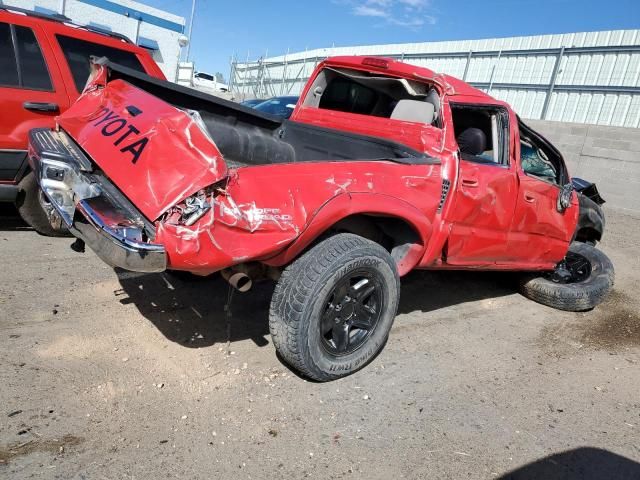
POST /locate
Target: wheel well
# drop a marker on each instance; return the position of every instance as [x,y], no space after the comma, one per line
[395,234]
[588,235]
[590,221]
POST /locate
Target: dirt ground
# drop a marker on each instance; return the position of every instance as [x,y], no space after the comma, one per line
[112,375]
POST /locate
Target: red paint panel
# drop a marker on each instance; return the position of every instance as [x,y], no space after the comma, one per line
[157,157]
[484,203]
[538,228]
[450,85]
[263,210]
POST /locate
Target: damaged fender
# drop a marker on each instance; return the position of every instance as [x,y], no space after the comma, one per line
[345,205]
[271,213]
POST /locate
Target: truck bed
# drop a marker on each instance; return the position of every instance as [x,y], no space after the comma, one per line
[246,136]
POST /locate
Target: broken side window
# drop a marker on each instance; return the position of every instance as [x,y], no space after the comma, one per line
[482,133]
[539,159]
[364,93]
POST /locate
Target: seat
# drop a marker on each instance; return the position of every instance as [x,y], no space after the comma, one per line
[472,143]
[434,99]
[414,111]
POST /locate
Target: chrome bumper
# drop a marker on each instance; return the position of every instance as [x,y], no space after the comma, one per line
[91,207]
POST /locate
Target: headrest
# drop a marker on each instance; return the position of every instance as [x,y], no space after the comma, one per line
[434,98]
[472,141]
[413,111]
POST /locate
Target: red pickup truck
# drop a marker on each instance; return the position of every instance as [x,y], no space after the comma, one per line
[384,167]
[44,65]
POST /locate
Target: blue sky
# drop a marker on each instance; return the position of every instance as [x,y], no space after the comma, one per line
[224,28]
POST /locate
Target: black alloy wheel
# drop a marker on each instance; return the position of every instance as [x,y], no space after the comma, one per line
[574,268]
[333,307]
[352,312]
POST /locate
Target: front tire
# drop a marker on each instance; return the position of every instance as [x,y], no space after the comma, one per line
[579,283]
[333,307]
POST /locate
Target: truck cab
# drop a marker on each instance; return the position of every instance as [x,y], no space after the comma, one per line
[503,181]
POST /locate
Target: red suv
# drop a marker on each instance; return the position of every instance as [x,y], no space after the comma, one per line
[44,64]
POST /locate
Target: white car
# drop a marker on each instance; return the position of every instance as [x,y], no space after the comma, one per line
[207,82]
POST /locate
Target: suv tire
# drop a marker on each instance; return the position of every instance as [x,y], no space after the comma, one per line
[31,209]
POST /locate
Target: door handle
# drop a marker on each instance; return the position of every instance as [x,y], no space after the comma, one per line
[529,198]
[41,106]
[467,182]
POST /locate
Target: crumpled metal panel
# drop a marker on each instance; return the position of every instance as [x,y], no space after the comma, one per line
[155,153]
[262,210]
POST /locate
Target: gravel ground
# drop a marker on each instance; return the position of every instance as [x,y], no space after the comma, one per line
[112,375]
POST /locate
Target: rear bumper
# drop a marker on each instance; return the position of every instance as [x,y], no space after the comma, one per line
[118,247]
[93,209]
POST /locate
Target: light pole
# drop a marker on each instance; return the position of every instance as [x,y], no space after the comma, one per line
[183,41]
[193,9]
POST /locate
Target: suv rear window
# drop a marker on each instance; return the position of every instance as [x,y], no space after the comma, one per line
[8,66]
[77,53]
[32,72]
[32,65]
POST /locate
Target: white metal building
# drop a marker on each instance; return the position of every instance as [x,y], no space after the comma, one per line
[148,27]
[589,77]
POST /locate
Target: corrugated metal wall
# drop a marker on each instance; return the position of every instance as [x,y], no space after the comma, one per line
[589,77]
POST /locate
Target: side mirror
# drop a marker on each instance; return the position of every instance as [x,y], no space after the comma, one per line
[564,197]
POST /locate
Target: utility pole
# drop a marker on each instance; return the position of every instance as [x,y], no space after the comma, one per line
[193,9]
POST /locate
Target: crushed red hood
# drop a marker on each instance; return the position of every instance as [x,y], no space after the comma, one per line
[155,153]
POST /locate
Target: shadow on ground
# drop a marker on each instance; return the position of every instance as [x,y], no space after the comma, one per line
[584,463]
[192,313]
[426,291]
[10,220]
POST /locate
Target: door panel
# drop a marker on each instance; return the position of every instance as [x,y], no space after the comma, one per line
[31,96]
[538,228]
[483,209]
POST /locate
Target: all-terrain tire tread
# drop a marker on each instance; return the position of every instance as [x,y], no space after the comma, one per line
[292,294]
[573,297]
[31,211]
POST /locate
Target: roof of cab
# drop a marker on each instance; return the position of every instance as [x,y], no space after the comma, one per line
[454,86]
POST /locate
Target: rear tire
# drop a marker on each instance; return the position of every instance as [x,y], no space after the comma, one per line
[31,210]
[333,308]
[588,289]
